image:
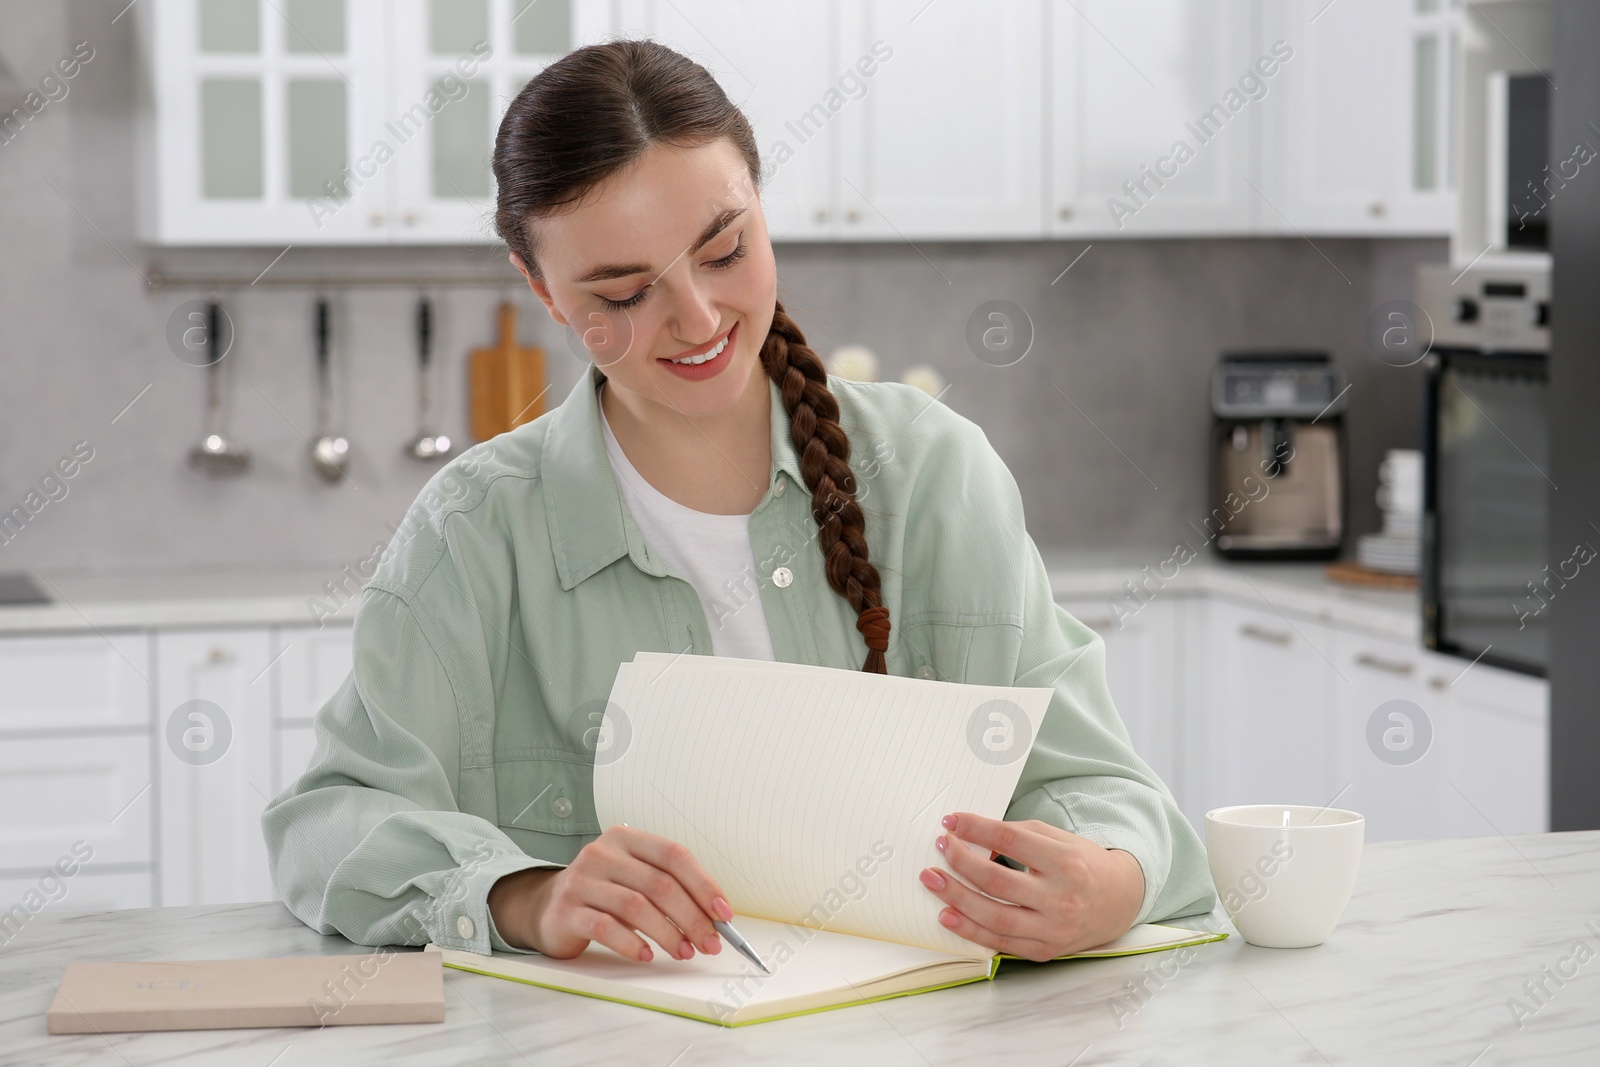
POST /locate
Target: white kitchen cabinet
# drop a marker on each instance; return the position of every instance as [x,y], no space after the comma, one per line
[1497,751]
[335,121]
[84,890]
[61,682]
[76,768]
[947,142]
[1356,135]
[776,63]
[1142,140]
[1142,664]
[1260,729]
[215,763]
[256,114]
[1457,751]
[55,791]
[311,664]
[477,55]
[1392,729]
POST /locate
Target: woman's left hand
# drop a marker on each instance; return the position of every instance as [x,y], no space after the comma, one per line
[1074,895]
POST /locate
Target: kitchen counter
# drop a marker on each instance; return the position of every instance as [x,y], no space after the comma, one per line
[1292,587]
[1440,940]
[84,600]
[267,597]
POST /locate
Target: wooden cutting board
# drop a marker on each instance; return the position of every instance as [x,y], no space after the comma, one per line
[1353,573]
[506,380]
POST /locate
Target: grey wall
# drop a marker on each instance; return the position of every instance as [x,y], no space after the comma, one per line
[1129,334]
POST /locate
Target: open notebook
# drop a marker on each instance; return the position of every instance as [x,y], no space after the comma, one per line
[813,796]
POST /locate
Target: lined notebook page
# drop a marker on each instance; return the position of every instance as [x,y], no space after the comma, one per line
[809,962]
[812,795]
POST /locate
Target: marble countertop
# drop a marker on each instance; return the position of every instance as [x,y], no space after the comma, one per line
[288,596]
[1440,938]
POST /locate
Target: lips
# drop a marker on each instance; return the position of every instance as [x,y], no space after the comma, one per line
[710,368]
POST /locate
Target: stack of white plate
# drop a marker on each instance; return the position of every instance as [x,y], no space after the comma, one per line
[1398,549]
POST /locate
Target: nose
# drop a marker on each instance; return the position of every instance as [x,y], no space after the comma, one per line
[696,319]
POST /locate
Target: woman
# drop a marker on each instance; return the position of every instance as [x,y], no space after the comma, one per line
[671,503]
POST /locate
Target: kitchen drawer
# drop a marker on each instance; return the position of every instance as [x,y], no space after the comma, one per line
[75,681]
[51,894]
[56,791]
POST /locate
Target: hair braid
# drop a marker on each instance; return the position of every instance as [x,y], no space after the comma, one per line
[824,450]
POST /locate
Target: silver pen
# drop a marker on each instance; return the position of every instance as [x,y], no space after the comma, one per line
[737,940]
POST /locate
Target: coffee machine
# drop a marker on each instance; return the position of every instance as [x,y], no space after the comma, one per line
[1277,456]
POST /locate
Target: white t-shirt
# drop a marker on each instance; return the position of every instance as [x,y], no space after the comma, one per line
[712,552]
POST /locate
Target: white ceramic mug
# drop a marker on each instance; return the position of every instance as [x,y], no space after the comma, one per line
[1284,872]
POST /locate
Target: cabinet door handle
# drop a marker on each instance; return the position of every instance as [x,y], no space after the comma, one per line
[852,215]
[821,214]
[1261,633]
[1378,663]
[220,654]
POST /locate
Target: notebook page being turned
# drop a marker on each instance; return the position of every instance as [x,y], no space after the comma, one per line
[812,795]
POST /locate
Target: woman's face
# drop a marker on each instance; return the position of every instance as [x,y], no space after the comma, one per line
[666,260]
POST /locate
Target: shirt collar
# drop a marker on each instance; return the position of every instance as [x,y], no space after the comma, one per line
[590,527]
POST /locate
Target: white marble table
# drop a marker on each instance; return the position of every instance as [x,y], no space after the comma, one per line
[1439,937]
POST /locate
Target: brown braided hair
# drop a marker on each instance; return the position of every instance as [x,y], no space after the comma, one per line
[591,114]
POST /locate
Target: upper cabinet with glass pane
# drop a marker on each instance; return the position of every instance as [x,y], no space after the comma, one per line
[335,121]
[1359,136]
[277,122]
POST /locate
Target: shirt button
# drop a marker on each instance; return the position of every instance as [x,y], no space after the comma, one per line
[562,807]
[778,487]
[465,928]
[782,577]
[926,671]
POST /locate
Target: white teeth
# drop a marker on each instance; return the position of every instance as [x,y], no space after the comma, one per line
[703,357]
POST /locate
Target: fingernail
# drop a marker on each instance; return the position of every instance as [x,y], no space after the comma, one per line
[932,879]
[646,955]
[948,822]
[720,909]
[948,918]
[941,842]
[711,945]
[685,949]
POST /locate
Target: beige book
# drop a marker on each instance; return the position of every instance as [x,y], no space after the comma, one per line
[383,987]
[813,796]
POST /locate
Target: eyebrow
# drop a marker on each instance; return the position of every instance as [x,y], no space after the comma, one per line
[609,271]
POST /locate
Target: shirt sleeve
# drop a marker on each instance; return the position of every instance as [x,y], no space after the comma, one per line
[1082,773]
[370,842]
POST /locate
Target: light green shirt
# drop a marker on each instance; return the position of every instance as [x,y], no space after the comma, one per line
[461,746]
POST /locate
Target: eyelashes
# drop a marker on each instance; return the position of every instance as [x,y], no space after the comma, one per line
[724,263]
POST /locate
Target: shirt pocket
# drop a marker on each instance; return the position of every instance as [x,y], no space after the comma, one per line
[977,649]
[937,648]
[550,798]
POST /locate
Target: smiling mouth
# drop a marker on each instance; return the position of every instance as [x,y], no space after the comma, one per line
[707,356]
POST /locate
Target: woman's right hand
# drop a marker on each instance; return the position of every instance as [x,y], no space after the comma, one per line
[623,881]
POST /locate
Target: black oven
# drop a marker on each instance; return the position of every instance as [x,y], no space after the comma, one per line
[1488,588]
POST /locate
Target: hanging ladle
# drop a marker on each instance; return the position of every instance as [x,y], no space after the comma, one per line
[329,453]
[215,452]
[427,445]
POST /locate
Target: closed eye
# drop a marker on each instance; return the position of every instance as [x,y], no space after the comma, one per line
[738,253]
